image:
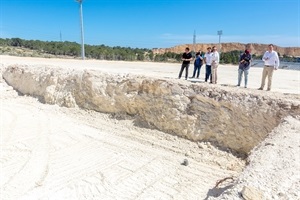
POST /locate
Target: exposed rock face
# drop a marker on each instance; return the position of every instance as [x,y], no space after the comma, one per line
[238,121]
[273,169]
[258,49]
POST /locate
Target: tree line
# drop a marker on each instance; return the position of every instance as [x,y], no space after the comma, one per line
[103,52]
[73,49]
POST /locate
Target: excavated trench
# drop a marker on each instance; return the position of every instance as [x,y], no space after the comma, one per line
[231,120]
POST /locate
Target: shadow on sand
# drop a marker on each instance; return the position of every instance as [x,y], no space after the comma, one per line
[216,191]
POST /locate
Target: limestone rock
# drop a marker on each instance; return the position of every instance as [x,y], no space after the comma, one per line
[251,193]
[226,118]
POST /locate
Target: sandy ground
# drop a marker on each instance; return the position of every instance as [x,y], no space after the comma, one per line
[49,152]
[56,153]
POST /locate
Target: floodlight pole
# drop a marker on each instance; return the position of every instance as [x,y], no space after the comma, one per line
[220,33]
[194,41]
[81,28]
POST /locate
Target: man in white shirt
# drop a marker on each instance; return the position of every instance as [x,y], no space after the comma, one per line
[271,60]
[215,58]
[207,59]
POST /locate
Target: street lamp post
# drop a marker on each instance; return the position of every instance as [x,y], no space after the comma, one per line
[194,42]
[81,28]
[220,33]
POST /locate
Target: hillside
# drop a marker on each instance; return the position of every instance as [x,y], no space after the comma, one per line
[257,49]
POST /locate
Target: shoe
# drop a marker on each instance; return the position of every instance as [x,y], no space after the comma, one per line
[260,88]
[269,89]
[237,85]
[245,86]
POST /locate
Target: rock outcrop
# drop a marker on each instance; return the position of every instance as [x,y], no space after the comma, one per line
[238,121]
[258,49]
[273,169]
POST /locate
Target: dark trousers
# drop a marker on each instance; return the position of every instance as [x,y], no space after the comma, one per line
[197,69]
[208,73]
[186,66]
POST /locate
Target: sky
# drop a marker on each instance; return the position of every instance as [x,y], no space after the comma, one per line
[153,23]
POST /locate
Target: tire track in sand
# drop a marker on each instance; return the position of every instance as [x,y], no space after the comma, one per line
[68,157]
[28,141]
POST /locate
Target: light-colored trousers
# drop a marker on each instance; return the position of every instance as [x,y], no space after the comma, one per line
[267,72]
[214,72]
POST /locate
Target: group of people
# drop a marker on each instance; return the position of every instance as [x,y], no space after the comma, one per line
[212,58]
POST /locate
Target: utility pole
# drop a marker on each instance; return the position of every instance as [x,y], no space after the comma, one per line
[194,41]
[220,33]
[81,28]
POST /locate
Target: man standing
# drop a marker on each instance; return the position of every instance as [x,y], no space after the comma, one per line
[215,57]
[271,60]
[207,59]
[186,58]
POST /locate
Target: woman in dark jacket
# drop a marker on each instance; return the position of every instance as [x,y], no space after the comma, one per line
[244,66]
[197,64]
